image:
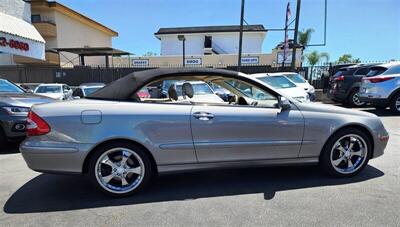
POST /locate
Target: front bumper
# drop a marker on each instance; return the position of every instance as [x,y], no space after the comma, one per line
[13,127]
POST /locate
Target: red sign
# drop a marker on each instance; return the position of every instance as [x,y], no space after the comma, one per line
[14,44]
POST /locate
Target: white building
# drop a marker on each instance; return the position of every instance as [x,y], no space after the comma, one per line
[210,40]
[18,37]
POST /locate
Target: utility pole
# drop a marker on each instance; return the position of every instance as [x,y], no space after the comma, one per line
[183,39]
[240,37]
[296,30]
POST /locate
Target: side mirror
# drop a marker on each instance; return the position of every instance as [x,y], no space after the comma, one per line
[284,104]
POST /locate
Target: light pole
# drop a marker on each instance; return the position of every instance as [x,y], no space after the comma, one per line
[183,39]
[296,31]
[240,36]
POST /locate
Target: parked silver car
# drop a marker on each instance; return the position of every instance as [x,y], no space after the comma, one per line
[15,103]
[120,140]
[382,90]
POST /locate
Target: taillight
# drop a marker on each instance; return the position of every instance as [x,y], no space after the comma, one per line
[339,78]
[35,125]
[378,79]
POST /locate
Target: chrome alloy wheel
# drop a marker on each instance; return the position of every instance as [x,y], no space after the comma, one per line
[119,170]
[349,154]
[356,100]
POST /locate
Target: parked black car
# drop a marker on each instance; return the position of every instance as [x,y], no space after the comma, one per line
[345,83]
[15,104]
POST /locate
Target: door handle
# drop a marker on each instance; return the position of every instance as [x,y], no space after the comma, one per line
[203,116]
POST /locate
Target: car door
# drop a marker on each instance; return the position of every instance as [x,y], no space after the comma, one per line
[234,133]
[246,132]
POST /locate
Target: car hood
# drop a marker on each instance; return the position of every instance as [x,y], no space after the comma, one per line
[53,95]
[327,108]
[294,92]
[23,99]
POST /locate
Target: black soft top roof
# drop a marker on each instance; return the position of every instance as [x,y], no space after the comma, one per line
[123,89]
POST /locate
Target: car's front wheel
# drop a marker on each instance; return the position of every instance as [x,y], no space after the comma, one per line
[346,153]
[120,169]
[395,104]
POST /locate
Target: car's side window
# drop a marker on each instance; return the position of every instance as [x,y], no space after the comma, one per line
[195,91]
[167,91]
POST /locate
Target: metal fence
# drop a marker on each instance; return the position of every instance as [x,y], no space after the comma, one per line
[82,74]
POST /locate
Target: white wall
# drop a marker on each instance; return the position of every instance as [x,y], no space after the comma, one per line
[72,33]
[229,42]
[16,8]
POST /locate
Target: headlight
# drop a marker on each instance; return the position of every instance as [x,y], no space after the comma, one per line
[16,110]
[311,89]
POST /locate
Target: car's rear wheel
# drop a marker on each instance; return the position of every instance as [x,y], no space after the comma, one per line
[346,153]
[354,100]
[120,169]
[395,104]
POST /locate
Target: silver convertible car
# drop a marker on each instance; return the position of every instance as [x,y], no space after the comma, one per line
[120,141]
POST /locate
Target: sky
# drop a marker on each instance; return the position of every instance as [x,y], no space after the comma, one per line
[366,29]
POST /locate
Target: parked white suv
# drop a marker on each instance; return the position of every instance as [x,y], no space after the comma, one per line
[382,90]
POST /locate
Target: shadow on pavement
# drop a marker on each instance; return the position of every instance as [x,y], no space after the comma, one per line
[48,193]
[381,113]
[10,148]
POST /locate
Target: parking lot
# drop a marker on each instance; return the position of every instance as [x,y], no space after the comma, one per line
[242,197]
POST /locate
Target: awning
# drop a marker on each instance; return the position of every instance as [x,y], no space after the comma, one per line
[20,37]
[94,51]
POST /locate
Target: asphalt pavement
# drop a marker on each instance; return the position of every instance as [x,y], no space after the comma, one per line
[279,196]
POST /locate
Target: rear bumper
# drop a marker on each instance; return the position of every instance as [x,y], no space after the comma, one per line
[61,159]
[337,95]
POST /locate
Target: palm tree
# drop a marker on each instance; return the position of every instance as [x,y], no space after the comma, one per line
[304,37]
[314,57]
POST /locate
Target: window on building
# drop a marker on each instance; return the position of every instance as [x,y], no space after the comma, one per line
[36,18]
[207,42]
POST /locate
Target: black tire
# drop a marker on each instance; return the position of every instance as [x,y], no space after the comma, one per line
[350,99]
[325,157]
[148,170]
[395,109]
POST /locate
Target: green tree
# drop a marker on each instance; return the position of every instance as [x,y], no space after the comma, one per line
[304,37]
[347,58]
[313,58]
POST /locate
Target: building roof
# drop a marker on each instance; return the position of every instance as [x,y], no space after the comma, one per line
[72,13]
[210,29]
[18,27]
[93,51]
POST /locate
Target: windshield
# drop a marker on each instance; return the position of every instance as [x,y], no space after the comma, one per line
[48,89]
[278,82]
[199,89]
[8,87]
[90,90]
[297,78]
